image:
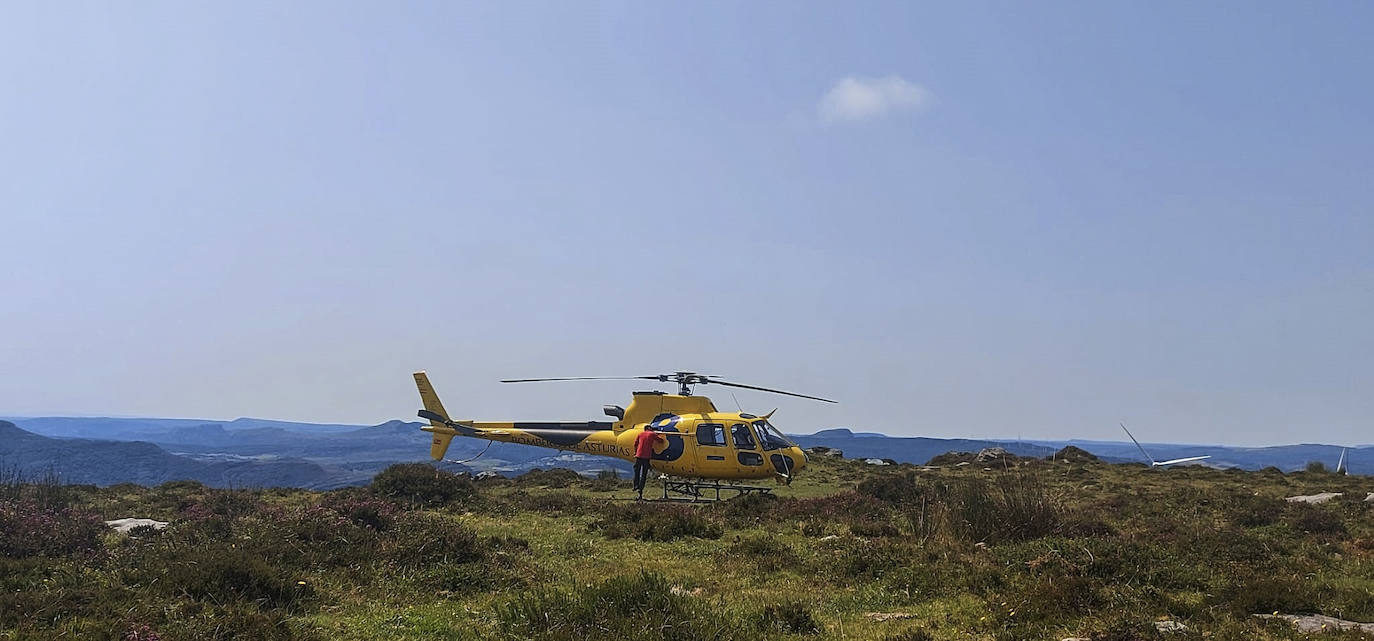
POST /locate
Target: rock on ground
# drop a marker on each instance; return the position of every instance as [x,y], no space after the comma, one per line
[889,616]
[990,454]
[1074,454]
[1170,627]
[1319,623]
[124,525]
[1314,498]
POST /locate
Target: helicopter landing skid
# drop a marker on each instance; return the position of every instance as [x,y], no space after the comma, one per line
[695,491]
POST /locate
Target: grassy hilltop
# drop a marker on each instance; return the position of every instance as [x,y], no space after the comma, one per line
[1019,550]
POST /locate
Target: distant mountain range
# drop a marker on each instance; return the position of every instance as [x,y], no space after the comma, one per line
[1289,458]
[250,452]
[107,462]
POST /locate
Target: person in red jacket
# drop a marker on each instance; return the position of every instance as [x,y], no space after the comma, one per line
[644,450]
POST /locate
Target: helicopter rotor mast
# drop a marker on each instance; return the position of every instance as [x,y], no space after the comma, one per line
[684,380]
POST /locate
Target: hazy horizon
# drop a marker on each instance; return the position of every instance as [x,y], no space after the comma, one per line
[960,220]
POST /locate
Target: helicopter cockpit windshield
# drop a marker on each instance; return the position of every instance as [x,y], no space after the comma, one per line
[770,437]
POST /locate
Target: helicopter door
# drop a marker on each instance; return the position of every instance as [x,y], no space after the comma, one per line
[711,447]
[745,449]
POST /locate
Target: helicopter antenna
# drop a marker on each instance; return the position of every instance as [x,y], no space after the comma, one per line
[741,409]
[684,380]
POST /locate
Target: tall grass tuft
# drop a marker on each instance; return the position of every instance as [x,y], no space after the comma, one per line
[1012,507]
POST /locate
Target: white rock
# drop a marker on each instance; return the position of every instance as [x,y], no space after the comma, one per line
[1169,627]
[1319,623]
[889,616]
[1370,498]
[1314,498]
[124,525]
[875,461]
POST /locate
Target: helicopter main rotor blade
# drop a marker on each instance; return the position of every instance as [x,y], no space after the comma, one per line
[765,389]
[581,378]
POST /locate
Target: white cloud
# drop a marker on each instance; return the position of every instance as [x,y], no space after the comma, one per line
[854,98]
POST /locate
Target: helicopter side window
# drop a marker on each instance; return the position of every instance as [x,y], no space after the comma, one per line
[743,437]
[711,434]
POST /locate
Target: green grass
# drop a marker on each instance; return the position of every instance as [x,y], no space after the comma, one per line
[1038,551]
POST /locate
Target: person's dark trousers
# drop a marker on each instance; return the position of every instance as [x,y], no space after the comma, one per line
[641,474]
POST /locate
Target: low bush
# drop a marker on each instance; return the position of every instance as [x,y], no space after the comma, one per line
[235,622]
[310,537]
[1313,519]
[898,489]
[767,554]
[651,522]
[556,477]
[912,634]
[33,529]
[1255,511]
[747,510]
[221,575]
[785,618]
[860,514]
[361,510]
[1260,593]
[551,502]
[632,608]
[430,539]
[852,558]
[423,485]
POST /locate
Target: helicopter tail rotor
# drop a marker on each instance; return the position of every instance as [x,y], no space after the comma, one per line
[440,425]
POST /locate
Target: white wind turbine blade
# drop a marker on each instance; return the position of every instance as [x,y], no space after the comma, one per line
[1181,460]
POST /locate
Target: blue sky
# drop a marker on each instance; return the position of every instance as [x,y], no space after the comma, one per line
[966,219]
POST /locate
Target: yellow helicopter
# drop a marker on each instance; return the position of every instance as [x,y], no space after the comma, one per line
[703,448]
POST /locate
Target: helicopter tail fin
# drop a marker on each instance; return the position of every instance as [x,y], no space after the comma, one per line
[438,418]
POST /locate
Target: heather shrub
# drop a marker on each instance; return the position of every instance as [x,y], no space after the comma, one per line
[424,539]
[767,554]
[1256,592]
[1255,511]
[912,634]
[556,477]
[642,607]
[365,511]
[606,480]
[858,559]
[786,618]
[892,488]
[862,515]
[229,504]
[747,510]
[220,575]
[549,502]
[422,484]
[238,622]
[1314,519]
[651,522]
[31,529]
[308,537]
